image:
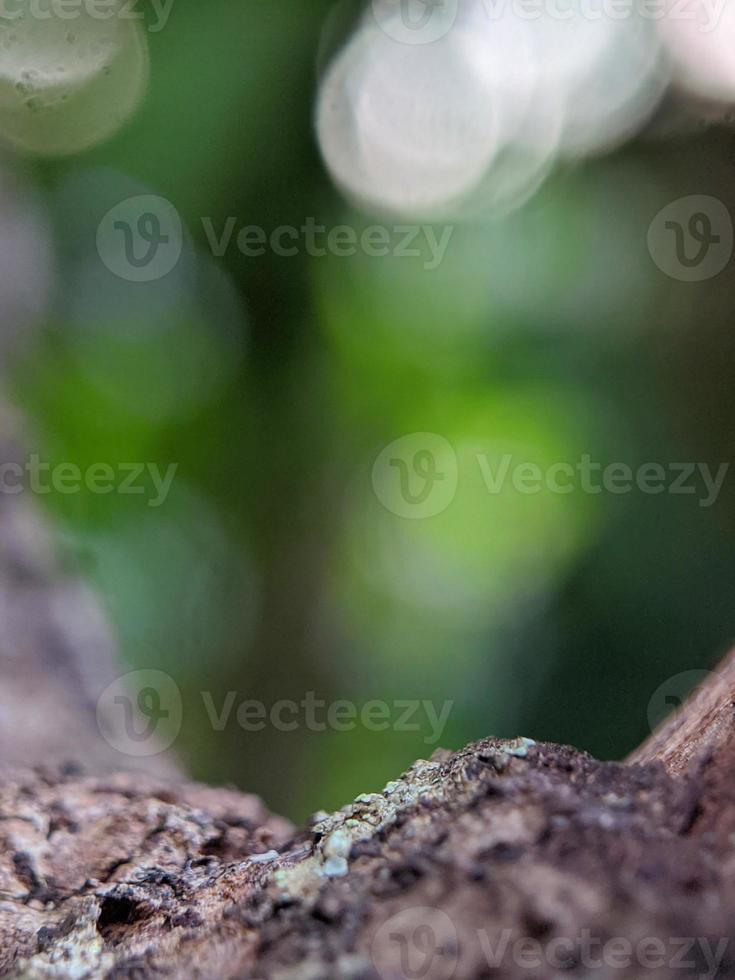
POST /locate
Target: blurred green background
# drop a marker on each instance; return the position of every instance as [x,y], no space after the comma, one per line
[273,569]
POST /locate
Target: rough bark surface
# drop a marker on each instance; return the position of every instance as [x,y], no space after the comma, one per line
[699,739]
[447,868]
[506,859]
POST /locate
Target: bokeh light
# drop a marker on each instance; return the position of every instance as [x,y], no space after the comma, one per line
[531,316]
[68,83]
[702,46]
[471,123]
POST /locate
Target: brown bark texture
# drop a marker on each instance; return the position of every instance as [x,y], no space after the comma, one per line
[505,859]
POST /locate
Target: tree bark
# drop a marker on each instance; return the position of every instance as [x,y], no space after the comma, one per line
[505,859]
[57,652]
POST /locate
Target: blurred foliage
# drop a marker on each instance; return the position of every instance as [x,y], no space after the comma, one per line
[275,382]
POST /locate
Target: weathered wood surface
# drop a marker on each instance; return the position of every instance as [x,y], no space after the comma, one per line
[129,877]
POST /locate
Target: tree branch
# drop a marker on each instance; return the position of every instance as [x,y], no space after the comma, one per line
[698,741]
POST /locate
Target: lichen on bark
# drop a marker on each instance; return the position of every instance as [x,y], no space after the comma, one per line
[122,877]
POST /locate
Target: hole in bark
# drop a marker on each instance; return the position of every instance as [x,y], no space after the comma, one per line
[536,927]
[216,847]
[117,911]
[506,852]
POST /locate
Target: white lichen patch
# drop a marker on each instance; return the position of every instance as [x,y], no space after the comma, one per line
[263,858]
[518,748]
[79,954]
[359,821]
[372,813]
[335,852]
